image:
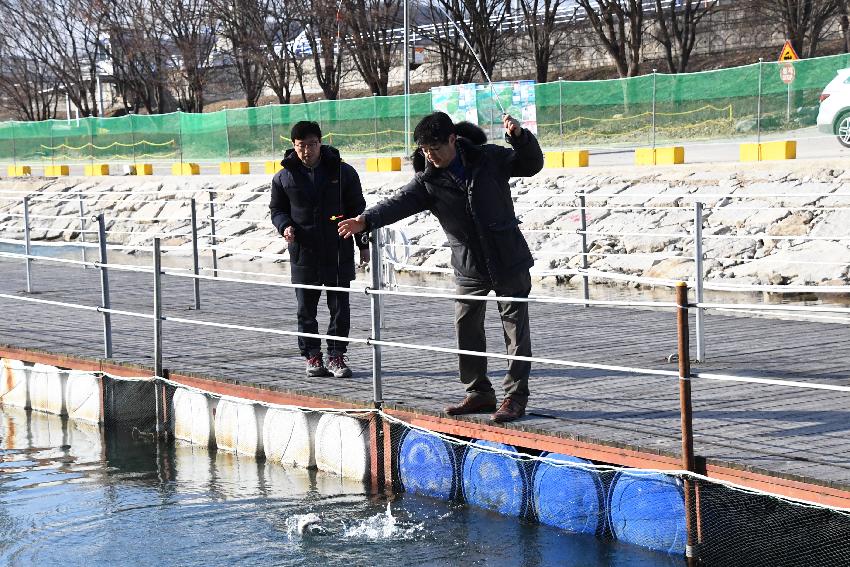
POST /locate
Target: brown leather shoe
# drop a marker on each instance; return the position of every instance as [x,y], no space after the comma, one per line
[473,404]
[510,410]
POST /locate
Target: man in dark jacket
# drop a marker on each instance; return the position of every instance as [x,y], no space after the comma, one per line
[313,192]
[465,186]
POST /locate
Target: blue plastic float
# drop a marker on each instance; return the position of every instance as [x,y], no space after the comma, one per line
[494,481]
[648,510]
[568,497]
[427,465]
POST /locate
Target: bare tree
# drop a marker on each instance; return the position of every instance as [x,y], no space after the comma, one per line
[69,46]
[371,40]
[677,29]
[619,25]
[323,31]
[482,23]
[281,65]
[544,31]
[27,86]
[138,48]
[844,21]
[243,26]
[803,21]
[457,63]
[190,26]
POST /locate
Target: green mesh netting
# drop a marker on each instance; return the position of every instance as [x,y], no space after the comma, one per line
[662,108]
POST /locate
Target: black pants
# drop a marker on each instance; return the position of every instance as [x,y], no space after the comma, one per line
[339,324]
[469,321]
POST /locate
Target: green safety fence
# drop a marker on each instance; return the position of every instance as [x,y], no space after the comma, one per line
[655,108]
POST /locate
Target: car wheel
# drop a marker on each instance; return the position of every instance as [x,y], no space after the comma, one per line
[842,130]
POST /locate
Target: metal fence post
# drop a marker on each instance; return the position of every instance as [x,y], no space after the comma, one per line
[375,111]
[584,262]
[654,91]
[157,307]
[27,242]
[375,268]
[104,287]
[699,274]
[83,227]
[195,263]
[685,407]
[758,109]
[560,111]
[226,135]
[213,242]
[157,326]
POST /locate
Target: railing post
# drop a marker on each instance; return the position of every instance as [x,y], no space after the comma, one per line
[157,330]
[104,287]
[698,281]
[195,263]
[584,263]
[213,241]
[685,408]
[27,242]
[157,307]
[83,227]
[375,268]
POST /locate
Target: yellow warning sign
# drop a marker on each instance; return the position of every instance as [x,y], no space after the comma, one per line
[788,53]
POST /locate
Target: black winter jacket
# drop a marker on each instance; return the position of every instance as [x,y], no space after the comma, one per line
[318,255]
[478,217]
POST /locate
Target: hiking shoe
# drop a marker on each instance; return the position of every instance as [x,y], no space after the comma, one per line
[338,367]
[510,410]
[473,404]
[316,367]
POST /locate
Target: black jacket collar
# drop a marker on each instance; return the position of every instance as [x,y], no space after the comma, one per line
[330,159]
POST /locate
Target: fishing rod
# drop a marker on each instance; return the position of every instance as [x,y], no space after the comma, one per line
[477,60]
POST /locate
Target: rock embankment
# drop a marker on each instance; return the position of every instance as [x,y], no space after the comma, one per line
[782,223]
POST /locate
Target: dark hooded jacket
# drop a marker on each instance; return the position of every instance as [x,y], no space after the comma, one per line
[478,214]
[318,255]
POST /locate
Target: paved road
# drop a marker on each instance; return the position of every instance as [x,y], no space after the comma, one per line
[773,428]
[810,145]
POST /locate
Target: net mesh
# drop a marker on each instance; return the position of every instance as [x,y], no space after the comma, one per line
[689,106]
[665,512]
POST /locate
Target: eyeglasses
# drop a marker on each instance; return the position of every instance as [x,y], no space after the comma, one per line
[306,145]
[432,149]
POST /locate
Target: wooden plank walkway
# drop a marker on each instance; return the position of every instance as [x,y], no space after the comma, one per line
[780,430]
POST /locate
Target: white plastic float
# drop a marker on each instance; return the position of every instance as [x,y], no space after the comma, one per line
[342,446]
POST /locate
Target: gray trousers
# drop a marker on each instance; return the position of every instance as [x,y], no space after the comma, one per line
[469,322]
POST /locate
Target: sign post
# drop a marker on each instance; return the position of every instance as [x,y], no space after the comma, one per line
[787,72]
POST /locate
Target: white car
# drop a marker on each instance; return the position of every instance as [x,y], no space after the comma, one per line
[834,113]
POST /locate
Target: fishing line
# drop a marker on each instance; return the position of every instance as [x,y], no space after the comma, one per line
[477,60]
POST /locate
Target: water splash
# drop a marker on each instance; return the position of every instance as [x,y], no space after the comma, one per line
[382,526]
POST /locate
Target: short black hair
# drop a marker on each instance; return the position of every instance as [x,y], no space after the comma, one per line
[434,129]
[304,129]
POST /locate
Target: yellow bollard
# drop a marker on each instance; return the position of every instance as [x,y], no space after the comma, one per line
[185,168]
[141,169]
[56,171]
[19,170]
[389,164]
[96,170]
[273,167]
[576,158]
[234,168]
[553,160]
[372,164]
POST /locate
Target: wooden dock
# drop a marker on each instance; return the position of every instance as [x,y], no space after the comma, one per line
[788,440]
